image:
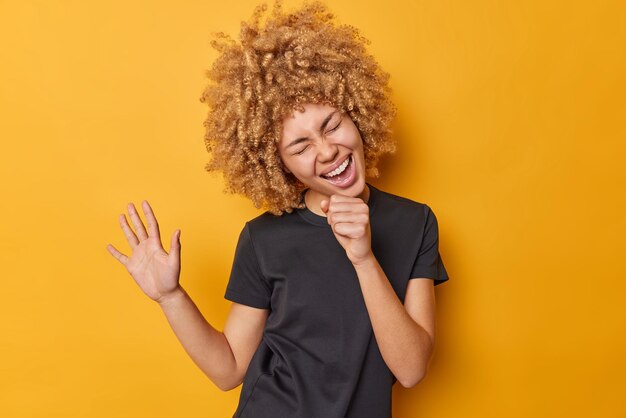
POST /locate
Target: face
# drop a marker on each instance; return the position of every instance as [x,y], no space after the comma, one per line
[323,149]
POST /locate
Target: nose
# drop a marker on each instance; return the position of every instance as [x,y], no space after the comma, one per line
[327,151]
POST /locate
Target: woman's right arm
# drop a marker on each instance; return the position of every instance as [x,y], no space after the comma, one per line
[222,356]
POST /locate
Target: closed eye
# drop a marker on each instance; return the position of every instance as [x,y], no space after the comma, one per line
[329,131]
[302,150]
[335,128]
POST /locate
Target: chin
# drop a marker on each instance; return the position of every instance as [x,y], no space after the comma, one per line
[355,190]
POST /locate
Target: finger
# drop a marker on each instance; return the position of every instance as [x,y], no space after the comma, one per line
[357,207]
[153,225]
[349,230]
[175,244]
[350,217]
[118,255]
[343,198]
[324,205]
[128,232]
[138,224]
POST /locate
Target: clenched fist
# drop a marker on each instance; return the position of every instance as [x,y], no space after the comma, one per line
[349,218]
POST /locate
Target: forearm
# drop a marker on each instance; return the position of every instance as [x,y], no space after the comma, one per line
[207,347]
[405,346]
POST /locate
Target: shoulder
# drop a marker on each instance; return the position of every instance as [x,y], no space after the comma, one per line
[268,219]
[392,204]
[267,225]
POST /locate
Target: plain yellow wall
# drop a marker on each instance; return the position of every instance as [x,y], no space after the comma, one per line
[511,126]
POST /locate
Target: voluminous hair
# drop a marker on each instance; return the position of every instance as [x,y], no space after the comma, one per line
[293,59]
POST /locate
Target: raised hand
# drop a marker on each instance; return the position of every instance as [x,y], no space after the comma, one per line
[154,270]
[349,218]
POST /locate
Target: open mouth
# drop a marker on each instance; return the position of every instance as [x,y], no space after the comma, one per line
[342,175]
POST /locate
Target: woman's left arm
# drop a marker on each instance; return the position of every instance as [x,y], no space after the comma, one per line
[405,334]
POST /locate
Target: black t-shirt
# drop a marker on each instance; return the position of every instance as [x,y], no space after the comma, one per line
[318,356]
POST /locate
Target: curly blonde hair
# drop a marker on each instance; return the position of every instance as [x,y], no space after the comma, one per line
[295,58]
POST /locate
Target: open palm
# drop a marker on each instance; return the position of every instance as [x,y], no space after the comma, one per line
[153,269]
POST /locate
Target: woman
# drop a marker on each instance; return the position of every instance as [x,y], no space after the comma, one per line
[326,313]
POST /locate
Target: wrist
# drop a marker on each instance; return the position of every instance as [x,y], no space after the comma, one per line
[369,260]
[172,296]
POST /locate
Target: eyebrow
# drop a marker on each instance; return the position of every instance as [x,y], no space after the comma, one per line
[322,127]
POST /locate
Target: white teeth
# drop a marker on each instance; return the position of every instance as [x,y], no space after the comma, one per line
[339,169]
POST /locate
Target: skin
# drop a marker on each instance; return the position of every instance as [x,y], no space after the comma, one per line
[404,333]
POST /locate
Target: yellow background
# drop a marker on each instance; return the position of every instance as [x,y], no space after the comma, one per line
[511,126]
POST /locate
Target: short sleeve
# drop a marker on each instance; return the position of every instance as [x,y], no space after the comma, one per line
[428,262]
[246,284]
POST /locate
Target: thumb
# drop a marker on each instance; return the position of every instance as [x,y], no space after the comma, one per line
[324,205]
[175,244]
